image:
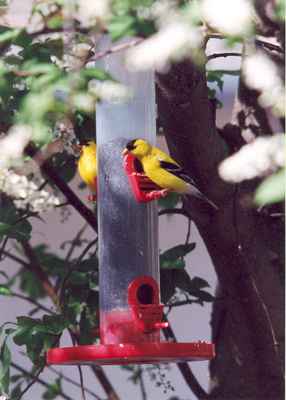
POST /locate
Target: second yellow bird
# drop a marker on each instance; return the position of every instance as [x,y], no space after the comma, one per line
[87,167]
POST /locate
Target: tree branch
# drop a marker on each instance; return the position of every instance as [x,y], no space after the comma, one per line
[115,49]
[36,268]
[245,348]
[39,380]
[52,174]
[219,55]
[66,378]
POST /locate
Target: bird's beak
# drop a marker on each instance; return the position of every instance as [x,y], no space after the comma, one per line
[125,151]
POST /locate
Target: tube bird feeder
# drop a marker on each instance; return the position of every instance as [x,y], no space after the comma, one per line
[131,315]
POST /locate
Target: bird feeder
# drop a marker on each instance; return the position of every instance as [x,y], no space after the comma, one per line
[131,315]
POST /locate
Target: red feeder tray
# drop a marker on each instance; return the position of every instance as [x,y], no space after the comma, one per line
[132,335]
[132,353]
[143,188]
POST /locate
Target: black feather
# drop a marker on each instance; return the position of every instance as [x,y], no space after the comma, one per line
[130,145]
[177,171]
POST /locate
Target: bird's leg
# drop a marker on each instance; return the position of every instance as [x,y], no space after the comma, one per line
[138,174]
[157,194]
[91,197]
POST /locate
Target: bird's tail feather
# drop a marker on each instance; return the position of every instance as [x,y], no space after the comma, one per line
[193,191]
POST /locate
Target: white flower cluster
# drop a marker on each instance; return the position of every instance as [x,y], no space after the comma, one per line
[173,42]
[261,73]
[258,158]
[233,17]
[25,192]
[110,91]
[12,145]
[93,11]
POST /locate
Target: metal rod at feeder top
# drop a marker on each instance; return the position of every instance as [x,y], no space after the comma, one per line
[128,230]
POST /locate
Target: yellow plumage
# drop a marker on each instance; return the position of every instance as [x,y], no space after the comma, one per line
[163,170]
[87,165]
[151,159]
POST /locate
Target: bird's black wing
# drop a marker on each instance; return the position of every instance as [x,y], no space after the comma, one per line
[177,171]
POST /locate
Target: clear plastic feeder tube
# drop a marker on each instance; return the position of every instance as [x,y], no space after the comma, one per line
[128,230]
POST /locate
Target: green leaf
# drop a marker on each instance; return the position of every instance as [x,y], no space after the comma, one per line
[199,283]
[36,68]
[4,290]
[11,225]
[172,258]
[123,25]
[29,286]
[95,73]
[272,189]
[53,390]
[5,360]
[55,22]
[16,391]
[54,324]
[4,274]
[216,77]
[204,296]
[9,35]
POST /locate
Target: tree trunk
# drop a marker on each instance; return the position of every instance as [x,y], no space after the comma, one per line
[248,314]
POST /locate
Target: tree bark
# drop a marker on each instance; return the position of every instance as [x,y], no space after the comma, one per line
[248,314]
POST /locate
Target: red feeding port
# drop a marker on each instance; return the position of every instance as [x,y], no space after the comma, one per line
[132,335]
[143,188]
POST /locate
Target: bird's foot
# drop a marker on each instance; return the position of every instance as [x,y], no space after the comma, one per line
[92,198]
[157,194]
[138,174]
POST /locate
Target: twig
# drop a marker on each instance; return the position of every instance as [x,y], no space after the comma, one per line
[15,258]
[39,380]
[74,267]
[32,301]
[75,242]
[66,378]
[107,386]
[218,55]
[115,49]
[4,244]
[52,174]
[185,369]
[170,211]
[35,378]
[75,342]
[268,45]
[142,384]
[188,231]
[36,268]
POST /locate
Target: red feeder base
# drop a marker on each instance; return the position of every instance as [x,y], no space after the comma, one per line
[132,353]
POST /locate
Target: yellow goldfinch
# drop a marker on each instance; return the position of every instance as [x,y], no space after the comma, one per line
[163,170]
[87,167]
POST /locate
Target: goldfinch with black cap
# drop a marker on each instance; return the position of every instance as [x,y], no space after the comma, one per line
[163,170]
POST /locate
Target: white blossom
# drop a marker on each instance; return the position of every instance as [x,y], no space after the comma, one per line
[12,145]
[172,43]
[258,158]
[92,11]
[231,17]
[261,73]
[4,396]
[110,91]
[25,192]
